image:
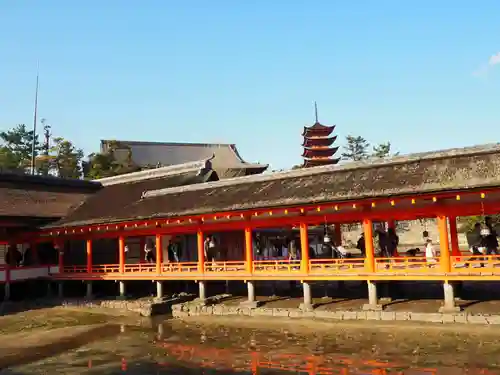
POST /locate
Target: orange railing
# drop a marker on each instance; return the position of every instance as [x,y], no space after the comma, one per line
[413,265]
[460,265]
[179,267]
[329,266]
[476,263]
[276,266]
[228,266]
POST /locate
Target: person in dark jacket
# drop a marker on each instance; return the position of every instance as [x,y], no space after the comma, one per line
[174,250]
[361,245]
[13,257]
[491,240]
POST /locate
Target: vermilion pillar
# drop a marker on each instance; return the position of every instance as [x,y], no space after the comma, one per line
[159,253]
[444,246]
[370,253]
[304,246]
[89,256]
[248,249]
[121,253]
[201,250]
[455,248]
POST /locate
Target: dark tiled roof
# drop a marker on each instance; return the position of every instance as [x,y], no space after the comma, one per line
[310,163]
[119,192]
[457,169]
[41,197]
[224,156]
[318,128]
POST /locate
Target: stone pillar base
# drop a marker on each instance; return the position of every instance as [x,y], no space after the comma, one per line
[60,290]
[200,301]
[306,307]
[6,292]
[89,294]
[250,304]
[449,309]
[371,307]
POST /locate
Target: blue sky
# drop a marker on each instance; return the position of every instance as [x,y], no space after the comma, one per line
[421,74]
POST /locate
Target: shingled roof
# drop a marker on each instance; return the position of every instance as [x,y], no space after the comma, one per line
[449,170]
[41,197]
[119,191]
[225,158]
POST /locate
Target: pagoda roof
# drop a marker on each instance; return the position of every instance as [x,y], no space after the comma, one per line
[472,168]
[308,163]
[317,128]
[319,152]
[308,142]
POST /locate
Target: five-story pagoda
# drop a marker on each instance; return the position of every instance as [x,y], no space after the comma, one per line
[317,144]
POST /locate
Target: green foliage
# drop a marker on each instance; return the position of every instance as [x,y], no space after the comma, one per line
[16,148]
[356,148]
[383,150]
[67,161]
[466,223]
[115,161]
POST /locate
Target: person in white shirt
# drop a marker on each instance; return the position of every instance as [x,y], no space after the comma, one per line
[430,251]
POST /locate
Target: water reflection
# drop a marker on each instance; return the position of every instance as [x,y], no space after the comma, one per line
[178,348]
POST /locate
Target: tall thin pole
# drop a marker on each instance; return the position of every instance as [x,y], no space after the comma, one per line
[33,144]
[316,111]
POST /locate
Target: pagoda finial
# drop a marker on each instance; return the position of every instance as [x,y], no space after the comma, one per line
[316,111]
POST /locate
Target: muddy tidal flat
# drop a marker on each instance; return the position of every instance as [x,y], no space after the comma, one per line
[71,341]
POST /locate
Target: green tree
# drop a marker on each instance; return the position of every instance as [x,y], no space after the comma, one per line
[382,150]
[44,162]
[17,148]
[67,159]
[115,161]
[356,148]
[8,160]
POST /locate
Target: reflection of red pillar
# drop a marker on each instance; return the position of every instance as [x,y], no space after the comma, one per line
[255,363]
[124,364]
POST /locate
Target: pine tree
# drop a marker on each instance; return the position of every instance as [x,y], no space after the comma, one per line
[16,147]
[382,150]
[356,148]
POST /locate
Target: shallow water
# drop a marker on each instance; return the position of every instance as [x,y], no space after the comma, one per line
[173,347]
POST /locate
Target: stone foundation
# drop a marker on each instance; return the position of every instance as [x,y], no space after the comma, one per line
[185,310]
[143,307]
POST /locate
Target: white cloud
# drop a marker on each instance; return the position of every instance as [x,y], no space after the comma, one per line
[495,59]
[483,70]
